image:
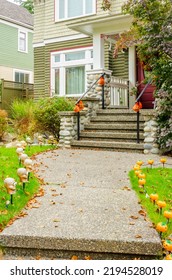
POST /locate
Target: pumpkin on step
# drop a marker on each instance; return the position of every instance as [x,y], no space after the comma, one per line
[137,106]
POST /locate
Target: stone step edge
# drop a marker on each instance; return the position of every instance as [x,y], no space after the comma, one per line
[90,245]
[46,254]
[108,144]
[115,135]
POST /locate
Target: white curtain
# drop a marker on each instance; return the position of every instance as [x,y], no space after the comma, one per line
[75,80]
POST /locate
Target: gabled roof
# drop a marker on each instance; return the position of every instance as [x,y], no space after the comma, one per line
[15,14]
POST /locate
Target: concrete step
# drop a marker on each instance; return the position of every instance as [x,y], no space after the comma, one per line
[109,136]
[112,126]
[111,145]
[116,118]
[116,112]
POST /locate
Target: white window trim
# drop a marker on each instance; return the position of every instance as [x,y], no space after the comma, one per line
[26,33]
[24,72]
[56,6]
[62,64]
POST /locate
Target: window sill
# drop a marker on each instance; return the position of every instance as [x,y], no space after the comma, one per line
[74,18]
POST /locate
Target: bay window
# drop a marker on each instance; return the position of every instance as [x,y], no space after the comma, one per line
[68,71]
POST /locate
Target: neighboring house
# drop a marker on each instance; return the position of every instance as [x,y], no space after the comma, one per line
[74,39]
[16,50]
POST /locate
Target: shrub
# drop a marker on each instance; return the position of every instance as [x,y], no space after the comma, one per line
[47,113]
[3,122]
[22,113]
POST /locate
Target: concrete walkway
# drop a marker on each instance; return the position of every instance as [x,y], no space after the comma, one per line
[88,209]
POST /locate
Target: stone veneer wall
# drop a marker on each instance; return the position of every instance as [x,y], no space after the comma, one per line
[96,91]
[150,132]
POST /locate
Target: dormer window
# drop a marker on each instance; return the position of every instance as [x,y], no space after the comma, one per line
[66,9]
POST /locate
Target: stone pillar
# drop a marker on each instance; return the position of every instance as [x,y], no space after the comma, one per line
[150,132]
[96,91]
[68,127]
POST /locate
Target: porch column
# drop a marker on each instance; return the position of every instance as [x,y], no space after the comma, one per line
[132,72]
[98,51]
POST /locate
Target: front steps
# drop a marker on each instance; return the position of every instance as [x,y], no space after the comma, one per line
[112,129]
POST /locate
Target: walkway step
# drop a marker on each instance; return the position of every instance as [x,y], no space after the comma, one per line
[119,118]
[110,136]
[112,126]
[87,210]
[112,145]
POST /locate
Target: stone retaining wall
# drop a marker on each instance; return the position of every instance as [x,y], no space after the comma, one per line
[68,127]
[150,132]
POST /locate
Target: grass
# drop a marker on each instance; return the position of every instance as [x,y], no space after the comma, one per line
[158,180]
[9,164]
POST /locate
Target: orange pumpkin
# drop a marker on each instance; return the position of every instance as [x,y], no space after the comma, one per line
[80,105]
[141,176]
[76,109]
[101,81]
[168,214]
[161,203]
[150,161]
[139,162]
[142,182]
[161,227]
[136,167]
[168,257]
[137,172]
[168,245]
[137,106]
[163,160]
[154,197]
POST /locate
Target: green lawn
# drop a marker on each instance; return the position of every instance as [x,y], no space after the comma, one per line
[158,180]
[9,164]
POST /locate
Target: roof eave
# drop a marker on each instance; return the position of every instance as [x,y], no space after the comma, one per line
[17,22]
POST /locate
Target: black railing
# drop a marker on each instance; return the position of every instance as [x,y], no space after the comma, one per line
[138,112]
[79,106]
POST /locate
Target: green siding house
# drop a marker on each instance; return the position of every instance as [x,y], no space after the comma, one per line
[16,50]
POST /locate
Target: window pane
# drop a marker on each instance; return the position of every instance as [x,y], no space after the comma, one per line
[21,77]
[22,41]
[75,80]
[89,6]
[75,56]
[75,8]
[57,83]
[57,58]
[26,78]
[16,77]
[61,9]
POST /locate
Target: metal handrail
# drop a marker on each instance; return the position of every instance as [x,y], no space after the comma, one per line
[80,98]
[143,90]
[138,113]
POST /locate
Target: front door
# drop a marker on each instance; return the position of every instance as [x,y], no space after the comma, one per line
[147,98]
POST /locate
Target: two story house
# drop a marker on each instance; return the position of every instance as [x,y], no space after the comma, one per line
[16,50]
[73,40]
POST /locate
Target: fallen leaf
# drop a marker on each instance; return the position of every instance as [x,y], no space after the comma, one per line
[138,236]
[56,220]
[74,258]
[87,258]
[126,188]
[142,212]
[134,217]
